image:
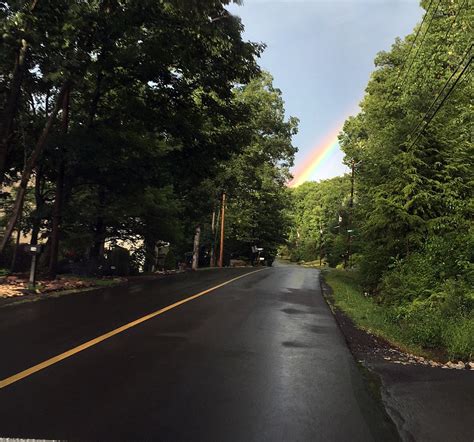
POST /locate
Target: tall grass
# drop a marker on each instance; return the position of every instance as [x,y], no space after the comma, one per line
[414,327]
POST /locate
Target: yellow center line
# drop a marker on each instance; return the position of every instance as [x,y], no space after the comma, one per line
[55,359]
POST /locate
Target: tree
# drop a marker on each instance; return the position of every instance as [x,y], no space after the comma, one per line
[320,220]
[254,179]
[415,179]
[150,97]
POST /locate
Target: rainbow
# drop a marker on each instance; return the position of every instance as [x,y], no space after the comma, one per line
[316,159]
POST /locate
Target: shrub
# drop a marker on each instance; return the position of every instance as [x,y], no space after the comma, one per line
[170,260]
[336,250]
[423,325]
[445,319]
[459,338]
[371,268]
[408,279]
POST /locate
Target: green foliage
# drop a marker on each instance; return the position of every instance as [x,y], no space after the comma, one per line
[412,193]
[170,260]
[366,313]
[254,179]
[459,338]
[414,184]
[444,321]
[167,108]
[320,215]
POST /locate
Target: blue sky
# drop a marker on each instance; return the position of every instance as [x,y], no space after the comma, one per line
[321,55]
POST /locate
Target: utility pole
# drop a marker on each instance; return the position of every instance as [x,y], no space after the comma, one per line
[221,255]
[320,243]
[213,244]
[351,205]
[321,235]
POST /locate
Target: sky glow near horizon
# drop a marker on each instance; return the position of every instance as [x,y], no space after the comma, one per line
[321,54]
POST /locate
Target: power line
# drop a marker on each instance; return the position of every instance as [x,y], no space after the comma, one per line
[441,103]
[409,53]
[448,31]
[422,40]
[452,24]
[441,91]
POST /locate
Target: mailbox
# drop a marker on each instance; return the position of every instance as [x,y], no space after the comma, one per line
[34,249]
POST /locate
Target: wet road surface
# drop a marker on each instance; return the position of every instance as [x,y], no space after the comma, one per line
[258,359]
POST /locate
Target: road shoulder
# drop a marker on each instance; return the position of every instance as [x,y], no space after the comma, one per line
[425,402]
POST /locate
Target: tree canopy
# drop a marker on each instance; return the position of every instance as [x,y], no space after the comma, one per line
[120,119]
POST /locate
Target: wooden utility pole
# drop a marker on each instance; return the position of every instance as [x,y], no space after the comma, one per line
[221,254]
[349,224]
[212,260]
[320,244]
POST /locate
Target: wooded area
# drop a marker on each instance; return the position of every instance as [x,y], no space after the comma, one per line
[408,229]
[126,121]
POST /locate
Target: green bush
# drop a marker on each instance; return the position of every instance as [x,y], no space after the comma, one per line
[372,267]
[436,321]
[407,280]
[170,260]
[459,338]
[336,250]
[423,325]
[441,319]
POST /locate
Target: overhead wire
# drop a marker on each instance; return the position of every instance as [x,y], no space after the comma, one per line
[448,31]
[409,52]
[442,90]
[440,105]
[422,40]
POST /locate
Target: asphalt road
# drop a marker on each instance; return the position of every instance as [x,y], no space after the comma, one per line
[260,358]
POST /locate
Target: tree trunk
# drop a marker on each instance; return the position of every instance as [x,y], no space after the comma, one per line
[30,164]
[150,255]
[15,250]
[59,197]
[39,201]
[197,237]
[97,249]
[11,106]
[95,100]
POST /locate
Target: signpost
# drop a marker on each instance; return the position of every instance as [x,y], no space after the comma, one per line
[35,250]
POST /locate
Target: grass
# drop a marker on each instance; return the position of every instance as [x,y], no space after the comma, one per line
[429,333]
[314,264]
[365,313]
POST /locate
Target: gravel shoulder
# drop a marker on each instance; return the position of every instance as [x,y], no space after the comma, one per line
[427,400]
